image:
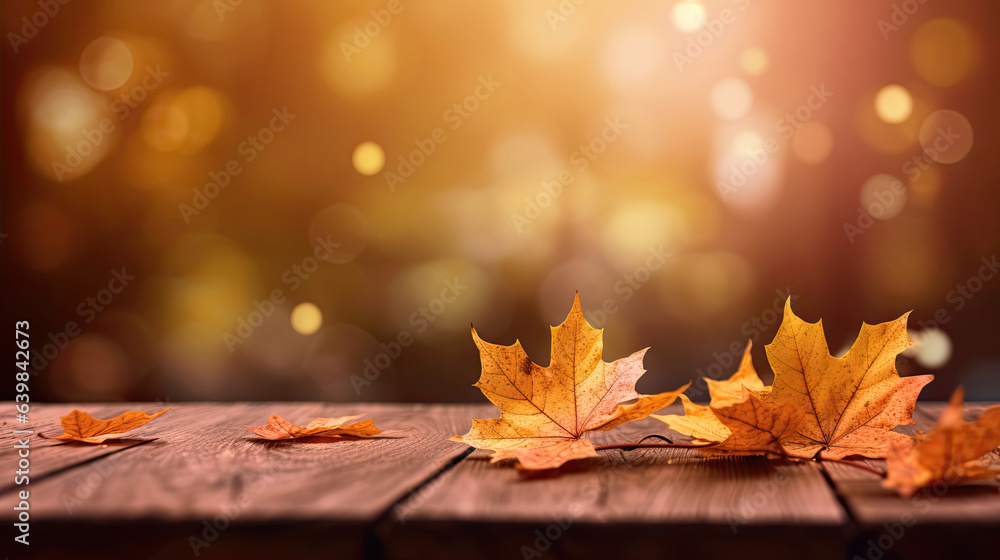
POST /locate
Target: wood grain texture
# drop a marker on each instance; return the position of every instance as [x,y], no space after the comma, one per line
[51,456]
[207,478]
[642,502]
[206,466]
[957,521]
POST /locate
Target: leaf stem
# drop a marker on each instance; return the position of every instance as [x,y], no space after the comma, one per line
[640,445]
[631,446]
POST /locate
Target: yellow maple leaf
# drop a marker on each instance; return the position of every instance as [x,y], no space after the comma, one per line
[544,411]
[80,426]
[338,428]
[950,452]
[737,419]
[850,404]
[731,391]
[698,421]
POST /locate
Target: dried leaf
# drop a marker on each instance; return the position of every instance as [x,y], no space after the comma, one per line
[850,404]
[698,421]
[544,411]
[950,452]
[80,426]
[338,428]
[737,418]
[731,391]
[756,426]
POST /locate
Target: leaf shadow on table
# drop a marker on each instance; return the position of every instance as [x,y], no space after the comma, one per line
[709,467]
[115,442]
[310,440]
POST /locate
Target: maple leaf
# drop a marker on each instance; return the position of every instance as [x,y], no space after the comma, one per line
[731,391]
[338,428]
[544,411]
[950,452]
[737,418]
[850,404]
[80,426]
[698,421]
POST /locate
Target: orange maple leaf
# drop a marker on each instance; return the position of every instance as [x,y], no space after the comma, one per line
[545,411]
[850,404]
[737,418]
[950,452]
[80,426]
[337,428]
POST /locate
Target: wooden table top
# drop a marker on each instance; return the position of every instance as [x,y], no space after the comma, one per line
[205,487]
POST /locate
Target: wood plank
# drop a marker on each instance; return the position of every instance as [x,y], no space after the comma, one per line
[641,503]
[45,460]
[268,497]
[939,522]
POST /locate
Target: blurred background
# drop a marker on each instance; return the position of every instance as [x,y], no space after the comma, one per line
[312,200]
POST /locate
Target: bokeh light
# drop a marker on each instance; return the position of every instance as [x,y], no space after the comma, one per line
[688,16]
[186,120]
[368,158]
[883,196]
[353,70]
[344,228]
[932,347]
[731,98]
[306,318]
[583,142]
[65,140]
[946,136]
[633,57]
[893,104]
[754,61]
[944,51]
[106,63]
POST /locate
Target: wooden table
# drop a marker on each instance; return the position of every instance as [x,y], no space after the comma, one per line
[206,488]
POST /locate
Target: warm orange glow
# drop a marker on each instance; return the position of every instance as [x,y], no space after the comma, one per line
[306,318]
[688,16]
[106,63]
[893,104]
[754,61]
[944,51]
[368,158]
